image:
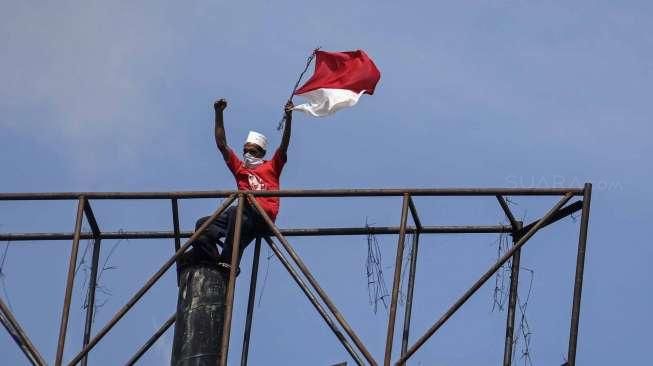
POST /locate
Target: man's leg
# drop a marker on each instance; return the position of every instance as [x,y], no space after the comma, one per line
[205,244]
[247,234]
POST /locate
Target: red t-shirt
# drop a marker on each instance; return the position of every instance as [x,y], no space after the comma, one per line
[264,177]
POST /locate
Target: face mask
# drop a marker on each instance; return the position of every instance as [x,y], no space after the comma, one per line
[251,161]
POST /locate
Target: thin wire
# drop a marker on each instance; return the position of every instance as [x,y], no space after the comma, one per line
[265,279]
[83,259]
[310,58]
[377,290]
[98,286]
[524,326]
[106,260]
[500,292]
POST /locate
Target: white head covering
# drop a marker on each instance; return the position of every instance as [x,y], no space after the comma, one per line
[258,139]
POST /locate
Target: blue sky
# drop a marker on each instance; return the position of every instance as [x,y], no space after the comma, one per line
[99,96]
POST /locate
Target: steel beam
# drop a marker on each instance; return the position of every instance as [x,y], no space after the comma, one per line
[561,214]
[411,277]
[330,231]
[511,218]
[383,192]
[514,284]
[90,217]
[578,281]
[482,280]
[415,214]
[512,304]
[175,228]
[396,282]
[409,294]
[250,302]
[72,264]
[90,300]
[231,285]
[92,282]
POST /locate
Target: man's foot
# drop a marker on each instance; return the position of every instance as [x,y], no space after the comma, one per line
[227,267]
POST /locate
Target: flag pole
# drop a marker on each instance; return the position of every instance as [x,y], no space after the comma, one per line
[308,63]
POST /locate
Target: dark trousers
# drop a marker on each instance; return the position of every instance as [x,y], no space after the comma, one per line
[221,233]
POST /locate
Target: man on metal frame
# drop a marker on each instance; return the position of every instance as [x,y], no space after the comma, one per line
[251,173]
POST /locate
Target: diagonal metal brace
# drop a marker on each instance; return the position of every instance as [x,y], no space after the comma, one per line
[305,271]
[18,334]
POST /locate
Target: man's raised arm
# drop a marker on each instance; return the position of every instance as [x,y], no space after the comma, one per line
[285,140]
[220,137]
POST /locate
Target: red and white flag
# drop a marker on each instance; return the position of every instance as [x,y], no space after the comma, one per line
[339,80]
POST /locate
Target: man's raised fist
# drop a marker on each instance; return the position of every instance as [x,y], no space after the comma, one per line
[220,104]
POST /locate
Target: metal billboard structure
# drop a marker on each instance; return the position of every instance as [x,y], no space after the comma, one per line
[298,270]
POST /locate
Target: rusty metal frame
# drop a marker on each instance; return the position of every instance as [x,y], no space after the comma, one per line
[396,282]
[297,268]
[411,275]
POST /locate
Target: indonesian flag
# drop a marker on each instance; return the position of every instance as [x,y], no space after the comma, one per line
[339,80]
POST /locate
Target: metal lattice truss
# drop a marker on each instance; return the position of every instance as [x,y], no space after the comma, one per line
[298,270]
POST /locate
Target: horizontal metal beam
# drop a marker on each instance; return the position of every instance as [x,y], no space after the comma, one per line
[295,193]
[331,231]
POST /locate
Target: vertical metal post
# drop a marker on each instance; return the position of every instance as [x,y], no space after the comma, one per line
[11,324]
[411,277]
[514,283]
[250,302]
[235,252]
[70,281]
[175,227]
[409,293]
[90,301]
[578,282]
[512,304]
[396,282]
[92,282]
